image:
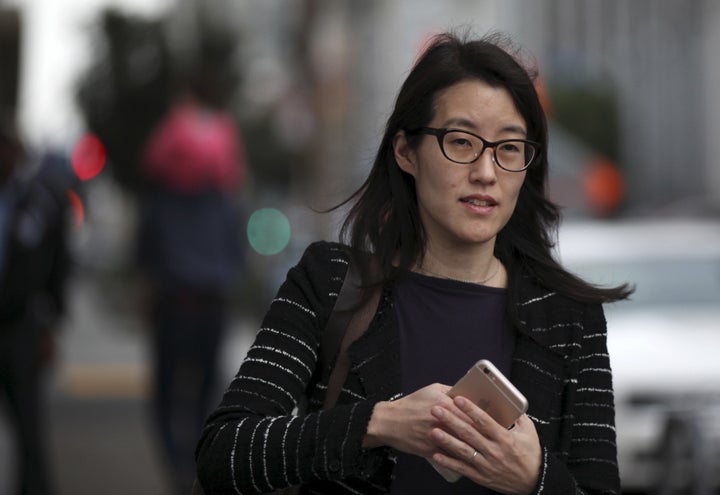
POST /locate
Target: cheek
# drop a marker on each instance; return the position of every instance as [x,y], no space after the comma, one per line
[512,191]
[433,179]
[514,184]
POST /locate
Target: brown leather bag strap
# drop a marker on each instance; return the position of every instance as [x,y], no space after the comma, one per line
[347,302]
[354,309]
[358,324]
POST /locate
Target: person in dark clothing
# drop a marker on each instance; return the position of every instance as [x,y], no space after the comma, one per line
[455,214]
[34,265]
[190,252]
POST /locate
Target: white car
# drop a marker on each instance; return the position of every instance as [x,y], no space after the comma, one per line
[664,344]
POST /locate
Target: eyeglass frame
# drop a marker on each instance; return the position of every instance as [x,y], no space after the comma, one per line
[440,132]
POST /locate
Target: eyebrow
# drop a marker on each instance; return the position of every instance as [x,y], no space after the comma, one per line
[461,122]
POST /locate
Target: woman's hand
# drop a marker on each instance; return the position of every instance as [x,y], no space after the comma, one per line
[405,424]
[507,461]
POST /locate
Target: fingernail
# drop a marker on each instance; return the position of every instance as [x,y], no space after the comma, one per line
[460,402]
[437,411]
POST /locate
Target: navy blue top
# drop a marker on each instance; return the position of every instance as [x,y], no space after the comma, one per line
[189,239]
[445,327]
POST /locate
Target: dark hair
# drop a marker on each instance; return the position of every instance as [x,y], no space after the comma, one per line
[385,219]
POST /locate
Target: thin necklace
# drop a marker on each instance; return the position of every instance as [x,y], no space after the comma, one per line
[478,282]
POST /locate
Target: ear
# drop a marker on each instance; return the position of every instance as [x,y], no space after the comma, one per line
[404,155]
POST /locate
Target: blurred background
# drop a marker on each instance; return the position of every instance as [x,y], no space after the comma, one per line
[630,89]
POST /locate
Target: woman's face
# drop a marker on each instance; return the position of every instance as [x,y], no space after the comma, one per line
[464,206]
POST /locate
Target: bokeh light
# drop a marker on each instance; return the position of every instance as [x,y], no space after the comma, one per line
[604,186]
[77,208]
[268,231]
[88,157]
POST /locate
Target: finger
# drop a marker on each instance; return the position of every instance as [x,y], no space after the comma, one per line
[482,421]
[454,447]
[465,430]
[465,467]
[523,421]
[449,403]
[461,439]
[471,467]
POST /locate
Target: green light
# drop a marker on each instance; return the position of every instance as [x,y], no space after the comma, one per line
[268,231]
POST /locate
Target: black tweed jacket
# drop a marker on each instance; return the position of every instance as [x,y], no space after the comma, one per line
[253,443]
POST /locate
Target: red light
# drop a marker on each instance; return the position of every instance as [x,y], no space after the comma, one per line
[604,186]
[88,157]
[78,208]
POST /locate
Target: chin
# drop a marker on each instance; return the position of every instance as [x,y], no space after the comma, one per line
[476,238]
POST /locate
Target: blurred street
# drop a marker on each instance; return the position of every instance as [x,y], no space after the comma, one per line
[304,87]
[101,438]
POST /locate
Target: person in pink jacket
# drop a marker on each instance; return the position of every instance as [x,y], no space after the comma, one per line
[190,252]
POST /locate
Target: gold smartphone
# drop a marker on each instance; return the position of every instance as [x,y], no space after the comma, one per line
[487,387]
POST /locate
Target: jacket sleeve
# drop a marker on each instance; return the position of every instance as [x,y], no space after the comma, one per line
[589,463]
[252,443]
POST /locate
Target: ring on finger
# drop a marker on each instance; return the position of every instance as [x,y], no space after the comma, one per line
[475,453]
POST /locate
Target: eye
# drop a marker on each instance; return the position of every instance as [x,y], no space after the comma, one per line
[460,142]
[510,147]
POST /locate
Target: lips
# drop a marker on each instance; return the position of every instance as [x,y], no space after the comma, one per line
[479,201]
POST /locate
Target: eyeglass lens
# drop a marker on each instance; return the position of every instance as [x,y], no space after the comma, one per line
[465,148]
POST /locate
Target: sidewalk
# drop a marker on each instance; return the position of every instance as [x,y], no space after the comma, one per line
[101,439]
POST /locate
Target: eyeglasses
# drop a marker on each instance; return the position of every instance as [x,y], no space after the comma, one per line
[513,155]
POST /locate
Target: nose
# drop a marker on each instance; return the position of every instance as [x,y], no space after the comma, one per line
[484,169]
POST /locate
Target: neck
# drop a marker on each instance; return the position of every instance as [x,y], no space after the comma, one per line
[479,266]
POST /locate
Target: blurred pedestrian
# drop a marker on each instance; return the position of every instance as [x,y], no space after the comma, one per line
[190,251]
[34,265]
[454,212]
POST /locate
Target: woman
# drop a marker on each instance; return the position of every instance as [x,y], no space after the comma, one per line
[454,211]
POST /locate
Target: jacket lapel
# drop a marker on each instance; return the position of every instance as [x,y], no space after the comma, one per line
[542,364]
